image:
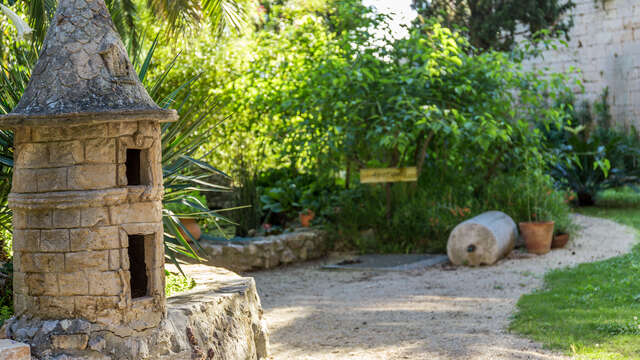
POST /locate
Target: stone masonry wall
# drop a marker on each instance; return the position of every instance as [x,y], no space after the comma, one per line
[267,252]
[605,45]
[70,244]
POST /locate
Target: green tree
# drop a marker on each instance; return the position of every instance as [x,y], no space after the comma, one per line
[494,24]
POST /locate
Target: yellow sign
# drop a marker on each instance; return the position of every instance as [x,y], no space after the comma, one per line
[370,176]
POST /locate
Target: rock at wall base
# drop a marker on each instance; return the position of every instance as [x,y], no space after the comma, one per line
[13,350]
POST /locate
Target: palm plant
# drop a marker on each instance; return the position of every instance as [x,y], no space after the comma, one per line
[178,15]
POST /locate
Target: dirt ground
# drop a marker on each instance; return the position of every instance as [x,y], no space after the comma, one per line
[437,313]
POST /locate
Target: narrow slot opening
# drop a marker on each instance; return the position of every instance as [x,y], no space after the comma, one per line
[138,267]
[133,167]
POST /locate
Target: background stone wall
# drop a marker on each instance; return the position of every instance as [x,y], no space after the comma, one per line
[605,45]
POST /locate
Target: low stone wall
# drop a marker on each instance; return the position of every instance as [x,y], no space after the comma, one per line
[267,252]
[221,318]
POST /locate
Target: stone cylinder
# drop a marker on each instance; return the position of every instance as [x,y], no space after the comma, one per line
[482,240]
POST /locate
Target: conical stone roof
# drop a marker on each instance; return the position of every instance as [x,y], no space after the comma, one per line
[83,74]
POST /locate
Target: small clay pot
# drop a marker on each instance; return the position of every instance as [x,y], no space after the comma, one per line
[559,241]
[306,217]
[192,227]
[537,236]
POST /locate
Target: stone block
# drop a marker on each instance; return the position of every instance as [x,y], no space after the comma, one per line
[117,129]
[122,175]
[86,260]
[114,259]
[96,238]
[39,219]
[53,179]
[142,228]
[104,283]
[145,212]
[85,306]
[75,283]
[94,216]
[54,240]
[32,155]
[13,350]
[42,262]
[92,176]
[55,306]
[24,180]
[22,135]
[91,131]
[69,342]
[124,259]
[101,150]
[49,134]
[41,284]
[19,303]
[66,153]
[19,283]
[19,220]
[66,218]
[26,240]
[148,128]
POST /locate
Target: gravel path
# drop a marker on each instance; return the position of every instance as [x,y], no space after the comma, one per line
[436,313]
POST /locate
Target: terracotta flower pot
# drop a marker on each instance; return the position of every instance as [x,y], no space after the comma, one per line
[537,236]
[193,228]
[306,217]
[559,241]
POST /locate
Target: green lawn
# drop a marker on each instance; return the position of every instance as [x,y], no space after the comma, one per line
[592,310]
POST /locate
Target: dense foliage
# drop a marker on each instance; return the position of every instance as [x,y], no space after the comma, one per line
[496,24]
[319,92]
[592,153]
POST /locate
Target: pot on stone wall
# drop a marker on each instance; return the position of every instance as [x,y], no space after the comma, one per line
[537,236]
[192,227]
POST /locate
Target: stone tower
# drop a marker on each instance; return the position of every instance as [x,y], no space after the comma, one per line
[87,190]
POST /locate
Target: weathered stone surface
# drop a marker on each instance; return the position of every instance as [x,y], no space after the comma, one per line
[95,238]
[86,260]
[69,342]
[94,216]
[54,179]
[26,240]
[75,283]
[23,181]
[92,176]
[13,350]
[101,150]
[66,218]
[54,240]
[66,153]
[136,213]
[104,283]
[39,219]
[42,284]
